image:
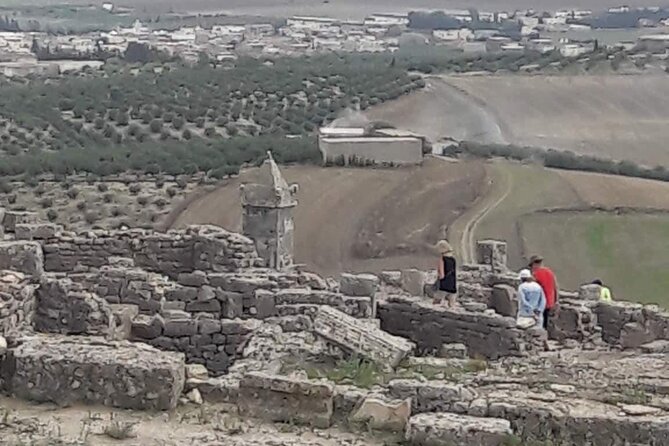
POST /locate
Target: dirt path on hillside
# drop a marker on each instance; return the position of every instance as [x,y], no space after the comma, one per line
[463,230]
[361,219]
[442,110]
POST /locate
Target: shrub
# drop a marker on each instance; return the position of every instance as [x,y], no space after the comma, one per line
[72,193]
[186,134]
[156,126]
[5,187]
[171,192]
[81,205]
[210,132]
[160,182]
[143,200]
[103,187]
[52,215]
[182,182]
[178,122]
[46,203]
[108,198]
[11,198]
[117,211]
[40,190]
[91,217]
[135,189]
[160,202]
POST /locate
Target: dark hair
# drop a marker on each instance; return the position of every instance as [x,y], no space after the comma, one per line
[597,282]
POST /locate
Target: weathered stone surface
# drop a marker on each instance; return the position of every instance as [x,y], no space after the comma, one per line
[22,256]
[455,351]
[41,231]
[504,300]
[17,303]
[382,414]
[488,335]
[196,371]
[267,219]
[391,278]
[661,346]
[492,253]
[413,281]
[358,284]
[360,338]
[447,429]
[69,370]
[12,218]
[280,398]
[62,307]
[431,396]
[589,292]
[147,327]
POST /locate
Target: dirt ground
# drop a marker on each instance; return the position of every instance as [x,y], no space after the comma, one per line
[361,219]
[23,423]
[621,117]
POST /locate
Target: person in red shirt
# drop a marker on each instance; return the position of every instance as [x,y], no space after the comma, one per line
[546,278]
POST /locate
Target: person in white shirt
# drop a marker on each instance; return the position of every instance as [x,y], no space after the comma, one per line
[531,301]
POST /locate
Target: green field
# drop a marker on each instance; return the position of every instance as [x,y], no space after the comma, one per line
[630,253]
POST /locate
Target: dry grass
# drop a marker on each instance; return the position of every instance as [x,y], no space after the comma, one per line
[621,117]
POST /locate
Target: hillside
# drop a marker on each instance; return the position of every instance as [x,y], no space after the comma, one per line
[621,117]
[360,219]
[586,225]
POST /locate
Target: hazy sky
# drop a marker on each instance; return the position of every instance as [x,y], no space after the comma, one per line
[348,8]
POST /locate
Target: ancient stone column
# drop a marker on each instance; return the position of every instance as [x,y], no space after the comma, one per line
[267,216]
[492,253]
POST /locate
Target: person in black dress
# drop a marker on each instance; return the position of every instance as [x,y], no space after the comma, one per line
[447,281]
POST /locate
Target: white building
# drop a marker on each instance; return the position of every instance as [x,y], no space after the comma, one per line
[453,35]
[387,20]
[109,7]
[541,45]
[573,50]
[309,24]
[619,9]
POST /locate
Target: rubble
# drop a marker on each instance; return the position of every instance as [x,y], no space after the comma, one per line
[279,398]
[381,414]
[446,429]
[143,320]
[361,339]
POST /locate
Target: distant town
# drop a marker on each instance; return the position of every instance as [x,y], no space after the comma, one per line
[572,33]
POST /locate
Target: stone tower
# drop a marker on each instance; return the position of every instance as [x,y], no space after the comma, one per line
[267,215]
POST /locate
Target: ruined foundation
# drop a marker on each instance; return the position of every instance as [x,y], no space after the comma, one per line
[147,321]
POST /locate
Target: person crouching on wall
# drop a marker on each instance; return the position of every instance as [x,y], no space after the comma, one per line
[531,301]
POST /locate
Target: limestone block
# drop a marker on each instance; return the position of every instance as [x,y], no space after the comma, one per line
[455,351]
[313,281]
[589,292]
[63,307]
[41,231]
[504,300]
[431,396]
[13,218]
[634,335]
[492,253]
[66,370]
[360,338]
[391,278]
[22,256]
[358,284]
[413,281]
[147,327]
[446,429]
[382,414]
[3,345]
[282,398]
[660,346]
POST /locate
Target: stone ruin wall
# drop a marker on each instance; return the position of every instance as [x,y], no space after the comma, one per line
[198,296]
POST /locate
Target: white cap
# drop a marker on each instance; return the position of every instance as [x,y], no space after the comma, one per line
[525,274]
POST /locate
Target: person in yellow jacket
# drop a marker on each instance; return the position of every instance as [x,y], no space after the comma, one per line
[605,292]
